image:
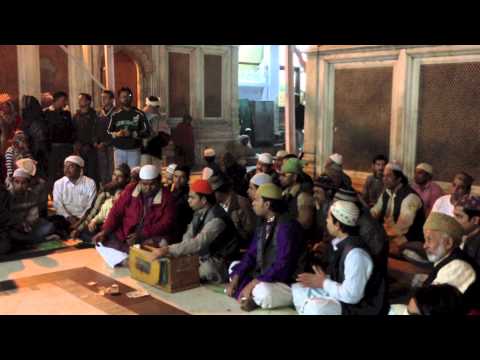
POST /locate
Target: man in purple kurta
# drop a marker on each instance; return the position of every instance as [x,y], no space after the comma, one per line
[275,256]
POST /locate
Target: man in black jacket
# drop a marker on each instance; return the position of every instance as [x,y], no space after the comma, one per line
[128,126]
[180,192]
[85,121]
[60,136]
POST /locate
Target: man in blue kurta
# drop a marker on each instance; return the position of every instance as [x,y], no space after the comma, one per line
[274,258]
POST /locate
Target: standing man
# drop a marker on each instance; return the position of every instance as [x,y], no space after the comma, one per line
[428,190]
[160,133]
[85,121]
[374,187]
[184,142]
[103,140]
[128,126]
[60,136]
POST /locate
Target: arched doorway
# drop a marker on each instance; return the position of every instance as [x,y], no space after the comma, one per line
[127,73]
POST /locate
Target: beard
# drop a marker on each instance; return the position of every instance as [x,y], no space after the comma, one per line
[439,254]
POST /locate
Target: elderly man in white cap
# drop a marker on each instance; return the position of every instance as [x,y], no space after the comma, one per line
[351,285]
[428,189]
[73,194]
[334,169]
[144,214]
[27,226]
[400,209]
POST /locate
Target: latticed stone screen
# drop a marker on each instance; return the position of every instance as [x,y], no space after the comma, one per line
[363,99]
[449,119]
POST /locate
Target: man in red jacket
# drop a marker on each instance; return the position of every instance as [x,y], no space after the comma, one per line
[144,214]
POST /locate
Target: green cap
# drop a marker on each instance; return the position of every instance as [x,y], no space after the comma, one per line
[270,191]
[293,166]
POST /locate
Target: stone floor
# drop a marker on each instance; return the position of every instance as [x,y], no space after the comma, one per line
[205,300]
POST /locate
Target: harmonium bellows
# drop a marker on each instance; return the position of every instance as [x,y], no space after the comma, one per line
[171,274]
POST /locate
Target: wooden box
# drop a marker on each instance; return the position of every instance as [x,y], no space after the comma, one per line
[172,274]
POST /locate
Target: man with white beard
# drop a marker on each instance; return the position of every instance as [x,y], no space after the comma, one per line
[443,236]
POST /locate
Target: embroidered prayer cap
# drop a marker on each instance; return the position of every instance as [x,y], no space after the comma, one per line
[29,165]
[346,195]
[425,167]
[395,165]
[346,212]
[209,152]
[471,202]
[77,160]
[171,168]
[293,166]
[281,154]
[270,191]
[444,223]
[206,173]
[337,159]
[217,181]
[149,172]
[201,187]
[20,173]
[325,182]
[265,158]
[260,179]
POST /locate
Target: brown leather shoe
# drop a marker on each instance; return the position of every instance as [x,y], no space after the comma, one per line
[248,305]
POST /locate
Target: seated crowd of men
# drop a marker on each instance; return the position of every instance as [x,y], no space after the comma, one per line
[275,236]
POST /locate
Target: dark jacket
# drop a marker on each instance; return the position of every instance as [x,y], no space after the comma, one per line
[183,213]
[374,301]
[415,233]
[85,124]
[472,294]
[133,120]
[60,128]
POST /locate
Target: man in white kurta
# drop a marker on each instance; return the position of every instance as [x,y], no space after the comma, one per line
[461,186]
[443,236]
[73,194]
[316,294]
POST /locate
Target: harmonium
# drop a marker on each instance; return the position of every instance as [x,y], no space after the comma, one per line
[171,274]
